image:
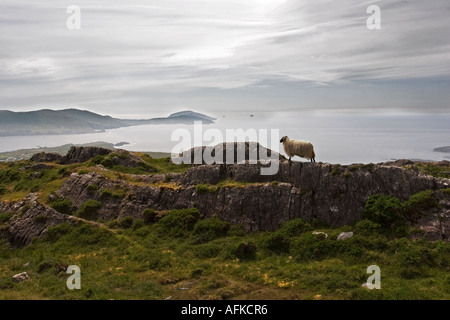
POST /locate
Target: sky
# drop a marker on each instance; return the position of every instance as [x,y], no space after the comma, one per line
[142,58]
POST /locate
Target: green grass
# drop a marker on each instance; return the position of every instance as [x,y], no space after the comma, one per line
[150,263]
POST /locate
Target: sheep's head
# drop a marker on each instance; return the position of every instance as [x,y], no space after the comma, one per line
[283,139]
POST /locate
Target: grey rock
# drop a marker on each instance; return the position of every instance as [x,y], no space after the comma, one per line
[23,227]
[306,190]
[345,235]
[319,233]
[21,277]
[46,157]
[82,154]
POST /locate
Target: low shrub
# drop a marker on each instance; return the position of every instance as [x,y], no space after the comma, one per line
[89,209]
[5,216]
[387,212]
[177,222]
[150,216]
[126,222]
[92,188]
[41,219]
[56,232]
[62,205]
[276,242]
[245,251]
[137,224]
[204,188]
[210,229]
[295,227]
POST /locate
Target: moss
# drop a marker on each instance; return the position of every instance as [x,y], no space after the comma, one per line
[41,219]
[92,188]
[5,216]
[117,193]
[204,188]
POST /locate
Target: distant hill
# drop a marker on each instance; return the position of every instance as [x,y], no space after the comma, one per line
[25,154]
[74,121]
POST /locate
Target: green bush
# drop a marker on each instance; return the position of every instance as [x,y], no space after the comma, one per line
[89,209]
[177,222]
[150,216]
[98,159]
[387,212]
[62,205]
[204,188]
[366,227]
[414,260]
[420,201]
[5,216]
[245,251]
[237,230]
[116,194]
[126,222]
[105,194]
[25,208]
[107,162]
[137,224]
[295,227]
[311,247]
[210,229]
[41,219]
[92,188]
[276,242]
[56,232]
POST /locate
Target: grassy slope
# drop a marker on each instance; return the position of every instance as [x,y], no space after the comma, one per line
[146,264]
[152,262]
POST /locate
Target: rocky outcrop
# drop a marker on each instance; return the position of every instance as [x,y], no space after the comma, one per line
[238,193]
[31,219]
[229,153]
[331,193]
[82,154]
[46,157]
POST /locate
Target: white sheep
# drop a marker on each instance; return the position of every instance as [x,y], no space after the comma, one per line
[299,148]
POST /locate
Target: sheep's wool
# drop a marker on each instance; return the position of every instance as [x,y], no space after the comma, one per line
[299,148]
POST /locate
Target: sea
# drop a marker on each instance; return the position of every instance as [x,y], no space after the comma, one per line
[338,137]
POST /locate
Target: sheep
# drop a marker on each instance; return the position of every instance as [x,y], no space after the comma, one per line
[299,148]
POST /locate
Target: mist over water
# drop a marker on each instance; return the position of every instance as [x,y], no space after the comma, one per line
[337,137]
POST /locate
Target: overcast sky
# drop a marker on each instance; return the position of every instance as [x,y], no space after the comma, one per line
[159,56]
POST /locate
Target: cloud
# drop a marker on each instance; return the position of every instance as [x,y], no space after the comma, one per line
[173,47]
